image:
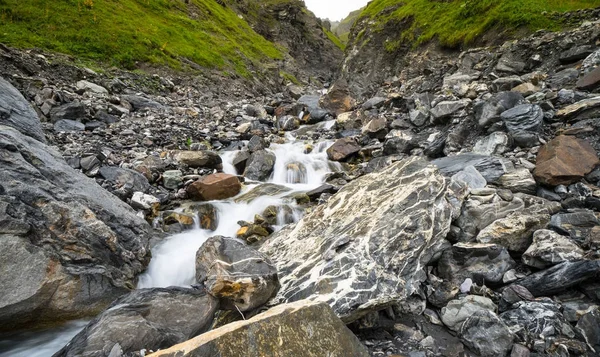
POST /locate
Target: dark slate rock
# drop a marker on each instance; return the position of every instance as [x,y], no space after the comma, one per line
[482,263]
[256,143]
[145,319]
[564,78]
[590,81]
[490,167]
[375,102]
[523,123]
[66,125]
[589,327]
[578,225]
[17,113]
[310,101]
[139,102]
[260,165]
[560,277]
[486,334]
[575,54]
[240,160]
[73,111]
[120,177]
[489,112]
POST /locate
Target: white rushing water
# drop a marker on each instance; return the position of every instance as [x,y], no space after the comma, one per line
[173,260]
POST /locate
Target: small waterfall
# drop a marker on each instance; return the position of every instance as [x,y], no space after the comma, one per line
[42,343]
[298,167]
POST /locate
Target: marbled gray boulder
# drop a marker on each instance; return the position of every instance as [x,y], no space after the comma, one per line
[490,167]
[494,144]
[368,245]
[459,310]
[235,273]
[520,180]
[482,263]
[560,277]
[81,246]
[534,320]
[489,111]
[550,248]
[471,177]
[260,165]
[149,319]
[486,334]
[16,112]
[288,123]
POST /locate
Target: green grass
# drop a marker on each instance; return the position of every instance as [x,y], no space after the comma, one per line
[333,38]
[462,22]
[122,32]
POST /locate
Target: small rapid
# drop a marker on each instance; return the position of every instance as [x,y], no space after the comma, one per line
[297,167]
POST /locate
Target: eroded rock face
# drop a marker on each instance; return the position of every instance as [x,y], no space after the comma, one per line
[366,247]
[16,112]
[564,160]
[145,319]
[237,274]
[89,246]
[302,328]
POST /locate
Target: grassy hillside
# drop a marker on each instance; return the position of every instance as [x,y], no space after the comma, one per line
[125,31]
[343,29]
[457,22]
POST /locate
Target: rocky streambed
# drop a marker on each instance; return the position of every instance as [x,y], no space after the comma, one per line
[453,212]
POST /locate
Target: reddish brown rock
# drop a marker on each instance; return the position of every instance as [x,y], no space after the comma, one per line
[214,187]
[338,99]
[564,160]
[343,149]
[590,81]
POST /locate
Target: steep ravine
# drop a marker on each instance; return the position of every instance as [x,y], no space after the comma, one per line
[452,210]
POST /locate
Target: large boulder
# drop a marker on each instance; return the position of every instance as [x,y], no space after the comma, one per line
[149,319]
[16,112]
[489,112]
[367,246]
[214,187]
[299,329]
[339,99]
[550,248]
[564,160]
[240,276]
[487,335]
[459,310]
[69,247]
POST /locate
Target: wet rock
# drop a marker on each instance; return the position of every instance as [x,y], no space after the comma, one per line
[238,275]
[66,125]
[491,168]
[324,256]
[254,144]
[146,319]
[560,277]
[589,327]
[520,180]
[590,81]
[260,165]
[564,160]
[267,189]
[288,123]
[486,334]
[514,232]
[73,111]
[482,263]
[494,144]
[291,329]
[207,214]
[199,159]
[489,112]
[218,186]
[533,320]
[240,160]
[252,233]
[458,311]
[580,226]
[343,149]
[550,248]
[17,113]
[174,222]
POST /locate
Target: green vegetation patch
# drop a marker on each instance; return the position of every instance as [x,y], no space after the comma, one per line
[333,38]
[461,22]
[122,32]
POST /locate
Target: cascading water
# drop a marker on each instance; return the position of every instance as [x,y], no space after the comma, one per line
[173,262]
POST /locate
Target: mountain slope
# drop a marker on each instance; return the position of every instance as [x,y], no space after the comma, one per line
[387,30]
[342,30]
